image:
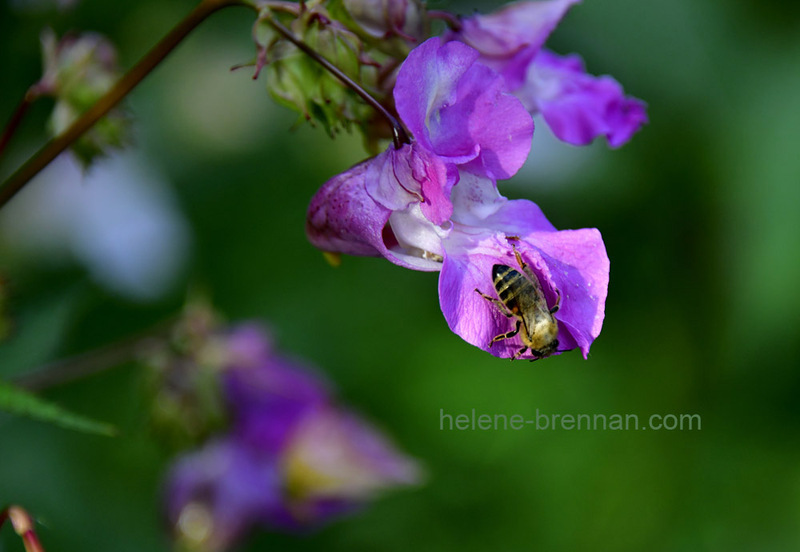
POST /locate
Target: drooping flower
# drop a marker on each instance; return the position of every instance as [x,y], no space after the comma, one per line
[292,458]
[578,107]
[434,205]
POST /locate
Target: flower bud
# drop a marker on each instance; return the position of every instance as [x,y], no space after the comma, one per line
[78,71]
[299,82]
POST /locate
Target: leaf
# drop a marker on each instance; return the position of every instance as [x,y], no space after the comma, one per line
[22,403]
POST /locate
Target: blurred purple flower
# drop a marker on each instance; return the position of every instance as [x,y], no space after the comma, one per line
[577,106]
[292,459]
[215,495]
[434,205]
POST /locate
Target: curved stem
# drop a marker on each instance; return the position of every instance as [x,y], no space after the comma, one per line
[399,134]
[123,87]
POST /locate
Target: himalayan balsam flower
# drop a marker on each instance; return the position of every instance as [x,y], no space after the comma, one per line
[578,107]
[434,204]
[293,459]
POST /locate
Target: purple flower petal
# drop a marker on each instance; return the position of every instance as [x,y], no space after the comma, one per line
[335,454]
[428,80]
[497,122]
[343,217]
[215,495]
[399,177]
[248,345]
[510,38]
[571,264]
[461,111]
[577,106]
[268,400]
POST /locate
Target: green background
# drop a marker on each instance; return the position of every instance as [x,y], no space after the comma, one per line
[698,216]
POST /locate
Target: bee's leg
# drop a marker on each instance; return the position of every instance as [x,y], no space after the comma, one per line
[526,269]
[520,262]
[524,266]
[516,356]
[557,305]
[508,335]
[497,302]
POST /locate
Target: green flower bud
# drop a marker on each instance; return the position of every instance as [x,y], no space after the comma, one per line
[299,82]
[78,71]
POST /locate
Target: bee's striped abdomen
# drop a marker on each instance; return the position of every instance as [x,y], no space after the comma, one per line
[510,285]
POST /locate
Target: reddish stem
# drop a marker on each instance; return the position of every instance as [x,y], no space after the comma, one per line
[123,87]
[23,526]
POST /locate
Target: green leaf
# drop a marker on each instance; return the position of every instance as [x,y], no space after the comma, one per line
[20,402]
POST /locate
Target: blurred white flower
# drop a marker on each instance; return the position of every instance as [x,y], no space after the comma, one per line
[119,220]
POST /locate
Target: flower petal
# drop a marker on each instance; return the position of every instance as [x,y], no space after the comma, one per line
[335,454]
[399,177]
[224,486]
[496,121]
[510,38]
[427,80]
[577,106]
[344,218]
[267,400]
[570,264]
[461,111]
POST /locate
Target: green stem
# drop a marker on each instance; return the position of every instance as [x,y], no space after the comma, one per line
[96,361]
[123,87]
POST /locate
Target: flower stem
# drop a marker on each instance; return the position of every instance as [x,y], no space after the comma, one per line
[399,134]
[23,526]
[123,87]
[97,360]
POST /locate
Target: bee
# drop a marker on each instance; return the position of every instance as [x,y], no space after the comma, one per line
[521,297]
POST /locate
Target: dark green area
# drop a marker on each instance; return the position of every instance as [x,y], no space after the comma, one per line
[699,217]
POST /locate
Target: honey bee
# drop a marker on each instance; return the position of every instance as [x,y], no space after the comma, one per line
[521,297]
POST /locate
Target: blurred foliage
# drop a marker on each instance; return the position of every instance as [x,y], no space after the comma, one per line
[698,217]
[18,401]
[5,323]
